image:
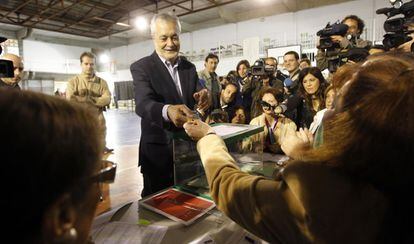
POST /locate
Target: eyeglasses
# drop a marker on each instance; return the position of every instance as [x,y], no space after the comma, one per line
[266,105]
[19,68]
[106,174]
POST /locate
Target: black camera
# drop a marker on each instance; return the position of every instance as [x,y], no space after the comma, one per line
[397,28]
[259,68]
[325,41]
[337,59]
[6,66]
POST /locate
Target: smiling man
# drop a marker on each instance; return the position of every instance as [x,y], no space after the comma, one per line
[166,89]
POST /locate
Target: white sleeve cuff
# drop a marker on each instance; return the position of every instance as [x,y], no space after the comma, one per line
[164,113]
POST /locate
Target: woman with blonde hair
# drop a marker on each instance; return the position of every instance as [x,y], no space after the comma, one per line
[352,189]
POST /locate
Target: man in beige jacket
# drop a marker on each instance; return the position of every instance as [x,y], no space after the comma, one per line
[90,89]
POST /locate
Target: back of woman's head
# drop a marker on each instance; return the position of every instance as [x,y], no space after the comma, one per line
[49,146]
[371,136]
[380,105]
[343,74]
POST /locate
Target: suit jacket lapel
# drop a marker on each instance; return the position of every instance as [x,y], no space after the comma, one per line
[166,78]
[184,81]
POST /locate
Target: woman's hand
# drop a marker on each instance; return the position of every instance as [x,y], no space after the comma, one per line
[295,142]
[196,129]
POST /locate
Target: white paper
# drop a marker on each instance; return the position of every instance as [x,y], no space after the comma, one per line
[224,130]
[123,232]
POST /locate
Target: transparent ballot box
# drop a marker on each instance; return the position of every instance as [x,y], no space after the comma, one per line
[242,143]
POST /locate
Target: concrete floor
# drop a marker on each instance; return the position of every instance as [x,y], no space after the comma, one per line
[123,134]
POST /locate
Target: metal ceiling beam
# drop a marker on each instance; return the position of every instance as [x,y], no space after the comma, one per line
[178,5]
[55,30]
[154,12]
[51,4]
[100,5]
[83,17]
[113,42]
[102,14]
[57,13]
[212,1]
[16,9]
[210,7]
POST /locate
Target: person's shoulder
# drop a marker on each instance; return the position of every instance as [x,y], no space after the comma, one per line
[74,79]
[256,120]
[185,63]
[142,62]
[300,169]
[101,80]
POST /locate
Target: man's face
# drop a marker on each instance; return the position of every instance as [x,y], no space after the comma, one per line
[290,63]
[166,40]
[211,64]
[271,62]
[88,65]
[18,69]
[303,65]
[228,94]
[352,27]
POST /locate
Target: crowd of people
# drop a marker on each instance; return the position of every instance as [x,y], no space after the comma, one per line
[350,138]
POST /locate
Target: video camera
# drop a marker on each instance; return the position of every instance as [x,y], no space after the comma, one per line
[337,59]
[397,28]
[259,68]
[325,41]
[6,66]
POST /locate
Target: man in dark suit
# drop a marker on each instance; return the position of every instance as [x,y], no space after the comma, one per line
[166,89]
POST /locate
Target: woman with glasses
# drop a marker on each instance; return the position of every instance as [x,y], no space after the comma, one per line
[275,125]
[51,168]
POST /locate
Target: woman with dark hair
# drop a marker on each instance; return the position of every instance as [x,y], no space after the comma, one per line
[240,115]
[352,189]
[52,168]
[242,68]
[310,99]
[275,125]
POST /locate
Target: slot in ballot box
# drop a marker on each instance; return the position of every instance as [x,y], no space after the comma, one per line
[189,173]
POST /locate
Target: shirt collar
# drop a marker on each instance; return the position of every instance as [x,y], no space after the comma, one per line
[168,62]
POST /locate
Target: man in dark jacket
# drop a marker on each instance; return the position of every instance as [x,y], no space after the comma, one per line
[167,88]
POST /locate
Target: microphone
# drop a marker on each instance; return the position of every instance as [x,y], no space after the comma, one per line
[288,82]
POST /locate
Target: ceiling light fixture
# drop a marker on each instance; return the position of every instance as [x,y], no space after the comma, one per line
[104,58]
[123,24]
[141,23]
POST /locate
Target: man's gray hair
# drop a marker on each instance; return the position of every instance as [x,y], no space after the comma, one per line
[165,17]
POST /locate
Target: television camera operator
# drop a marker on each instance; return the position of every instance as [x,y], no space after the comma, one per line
[337,39]
[399,30]
[261,75]
[11,69]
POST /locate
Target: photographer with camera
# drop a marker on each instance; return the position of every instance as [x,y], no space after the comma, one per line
[337,38]
[277,76]
[12,82]
[399,30]
[261,76]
